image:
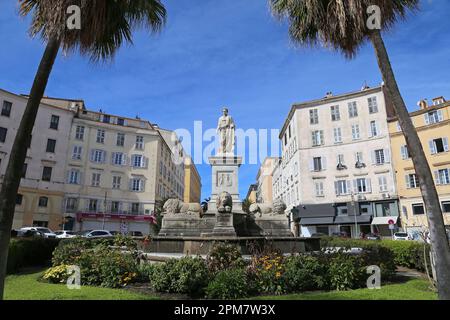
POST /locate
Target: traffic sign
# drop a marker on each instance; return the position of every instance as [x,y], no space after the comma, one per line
[391,222]
[391,227]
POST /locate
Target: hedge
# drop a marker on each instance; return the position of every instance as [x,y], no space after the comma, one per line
[409,254]
[29,253]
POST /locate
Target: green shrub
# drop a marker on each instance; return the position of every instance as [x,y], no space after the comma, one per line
[56,274]
[32,252]
[346,271]
[187,275]
[304,272]
[224,256]
[382,257]
[228,284]
[265,273]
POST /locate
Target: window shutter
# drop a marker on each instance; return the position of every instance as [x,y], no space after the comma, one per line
[355,185]
[349,186]
[407,182]
[336,188]
[311,165]
[130,185]
[324,163]
[322,140]
[80,177]
[427,118]
[145,162]
[313,136]
[377,128]
[124,159]
[403,152]
[132,160]
[387,155]
[370,131]
[369,185]
[103,156]
[437,177]
[92,155]
[113,157]
[445,143]
[68,176]
[432,146]
[374,157]
[440,115]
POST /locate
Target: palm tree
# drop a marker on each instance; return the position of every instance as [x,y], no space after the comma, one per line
[344,26]
[106,25]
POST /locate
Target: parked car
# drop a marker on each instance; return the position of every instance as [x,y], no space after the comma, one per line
[372,236]
[135,234]
[115,233]
[46,232]
[64,234]
[401,236]
[95,234]
[318,235]
[341,234]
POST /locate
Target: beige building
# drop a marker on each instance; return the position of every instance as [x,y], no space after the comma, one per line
[432,123]
[251,193]
[336,170]
[41,193]
[192,182]
[264,179]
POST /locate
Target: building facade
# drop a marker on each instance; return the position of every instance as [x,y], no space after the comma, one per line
[192,182]
[264,180]
[432,123]
[336,170]
[41,193]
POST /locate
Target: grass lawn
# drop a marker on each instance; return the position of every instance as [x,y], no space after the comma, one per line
[27,287]
[415,289]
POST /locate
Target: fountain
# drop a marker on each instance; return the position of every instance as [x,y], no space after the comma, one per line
[186,229]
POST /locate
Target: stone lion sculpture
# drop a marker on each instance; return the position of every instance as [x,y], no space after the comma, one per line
[176,206]
[224,203]
[277,207]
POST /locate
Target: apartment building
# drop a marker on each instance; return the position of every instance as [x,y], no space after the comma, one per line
[336,170]
[192,182]
[264,178]
[41,194]
[432,123]
[251,193]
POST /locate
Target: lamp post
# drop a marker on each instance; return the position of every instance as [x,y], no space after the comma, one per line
[104,212]
[354,214]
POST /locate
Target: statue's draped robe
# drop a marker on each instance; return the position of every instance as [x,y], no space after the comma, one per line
[226,132]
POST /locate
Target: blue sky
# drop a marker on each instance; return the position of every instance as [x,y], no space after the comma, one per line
[215,53]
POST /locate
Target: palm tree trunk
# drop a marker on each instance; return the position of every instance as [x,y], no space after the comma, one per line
[439,241]
[13,173]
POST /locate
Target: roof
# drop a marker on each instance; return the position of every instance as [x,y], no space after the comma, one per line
[423,111]
[326,100]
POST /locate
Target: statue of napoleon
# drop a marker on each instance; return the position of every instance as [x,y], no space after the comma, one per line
[226,132]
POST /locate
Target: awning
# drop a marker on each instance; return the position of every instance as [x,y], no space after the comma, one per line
[351,219]
[384,220]
[316,221]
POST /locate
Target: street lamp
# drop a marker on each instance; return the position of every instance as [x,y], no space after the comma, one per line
[354,214]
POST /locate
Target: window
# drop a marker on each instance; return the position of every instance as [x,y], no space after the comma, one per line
[138,161]
[319,189]
[446,206]
[352,109]
[341,209]
[79,133]
[117,180]
[438,145]
[137,184]
[382,182]
[43,202]
[120,139]
[121,121]
[19,199]
[434,116]
[74,176]
[337,135]
[317,138]
[118,159]
[342,187]
[100,136]
[77,152]
[98,156]
[442,176]
[374,132]
[140,142]
[71,204]
[51,145]
[290,131]
[323,229]
[341,162]
[318,164]
[135,208]
[335,114]
[356,135]
[380,156]
[54,122]
[115,207]
[418,209]
[314,116]
[93,205]
[3,132]
[47,173]
[96,180]
[363,185]
[106,118]
[411,181]
[373,105]
[6,109]
[405,153]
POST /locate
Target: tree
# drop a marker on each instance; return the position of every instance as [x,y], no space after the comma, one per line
[246,203]
[345,26]
[105,26]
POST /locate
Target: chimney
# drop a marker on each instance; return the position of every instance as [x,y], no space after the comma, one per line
[423,104]
[438,100]
[329,95]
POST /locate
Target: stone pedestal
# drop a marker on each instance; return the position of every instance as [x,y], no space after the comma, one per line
[274,225]
[224,225]
[184,225]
